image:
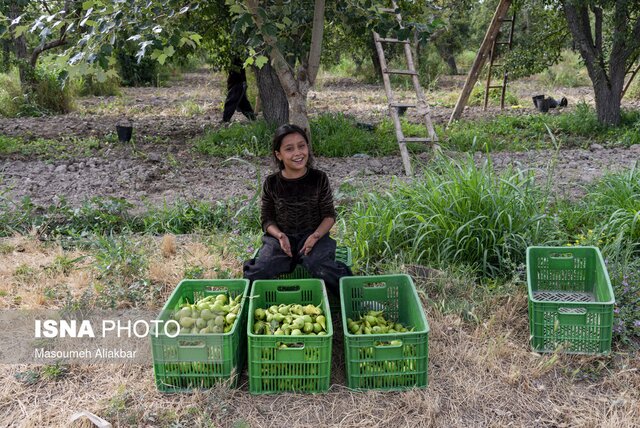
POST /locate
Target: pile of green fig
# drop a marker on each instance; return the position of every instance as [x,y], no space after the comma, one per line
[374,322]
[211,314]
[290,320]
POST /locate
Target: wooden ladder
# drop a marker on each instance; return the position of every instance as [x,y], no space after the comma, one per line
[495,53]
[481,57]
[394,106]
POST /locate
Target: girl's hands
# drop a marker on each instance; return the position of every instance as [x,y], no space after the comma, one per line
[309,243]
[284,244]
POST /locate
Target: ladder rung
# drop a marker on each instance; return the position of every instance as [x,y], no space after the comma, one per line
[405,105]
[408,72]
[393,41]
[416,140]
[506,20]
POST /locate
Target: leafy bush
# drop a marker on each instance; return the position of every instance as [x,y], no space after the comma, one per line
[11,97]
[134,73]
[90,85]
[48,96]
[454,214]
[568,73]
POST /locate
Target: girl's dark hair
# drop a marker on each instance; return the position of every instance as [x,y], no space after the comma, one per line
[279,135]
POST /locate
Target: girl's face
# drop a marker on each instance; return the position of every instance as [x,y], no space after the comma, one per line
[294,153]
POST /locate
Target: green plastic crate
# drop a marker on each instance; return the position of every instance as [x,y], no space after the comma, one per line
[570,300]
[190,361]
[369,365]
[298,369]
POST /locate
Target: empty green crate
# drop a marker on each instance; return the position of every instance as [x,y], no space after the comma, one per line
[305,366]
[570,300]
[370,365]
[190,361]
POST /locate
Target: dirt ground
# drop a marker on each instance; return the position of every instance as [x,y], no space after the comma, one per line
[161,167]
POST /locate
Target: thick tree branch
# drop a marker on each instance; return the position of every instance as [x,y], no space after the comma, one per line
[581,35]
[316,41]
[634,42]
[598,29]
[53,44]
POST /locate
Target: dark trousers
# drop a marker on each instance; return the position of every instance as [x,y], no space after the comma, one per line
[320,262]
[237,101]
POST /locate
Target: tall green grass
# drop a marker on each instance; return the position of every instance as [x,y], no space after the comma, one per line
[456,213]
[609,214]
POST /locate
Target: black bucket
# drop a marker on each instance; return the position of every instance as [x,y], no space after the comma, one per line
[536,100]
[124,133]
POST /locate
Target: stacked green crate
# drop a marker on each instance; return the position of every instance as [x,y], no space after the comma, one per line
[190,361]
[372,361]
[279,363]
[570,300]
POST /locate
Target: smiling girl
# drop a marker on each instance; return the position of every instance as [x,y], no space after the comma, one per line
[297,213]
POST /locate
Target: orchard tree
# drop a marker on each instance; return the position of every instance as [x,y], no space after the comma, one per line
[607,35]
[289,35]
[282,31]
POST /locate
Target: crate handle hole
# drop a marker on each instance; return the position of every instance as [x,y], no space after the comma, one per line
[288,288]
[286,346]
[387,344]
[191,343]
[215,289]
[561,255]
[572,311]
[375,284]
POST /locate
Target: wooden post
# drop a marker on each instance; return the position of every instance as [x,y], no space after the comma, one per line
[481,57]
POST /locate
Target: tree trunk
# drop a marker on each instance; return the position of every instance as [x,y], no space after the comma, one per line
[274,103]
[607,104]
[26,71]
[298,103]
[607,80]
[375,61]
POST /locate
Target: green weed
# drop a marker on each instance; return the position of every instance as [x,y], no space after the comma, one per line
[335,135]
[454,214]
[577,128]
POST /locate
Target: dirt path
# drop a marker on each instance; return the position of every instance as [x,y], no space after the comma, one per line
[165,169]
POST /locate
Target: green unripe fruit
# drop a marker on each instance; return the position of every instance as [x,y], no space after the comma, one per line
[187,322]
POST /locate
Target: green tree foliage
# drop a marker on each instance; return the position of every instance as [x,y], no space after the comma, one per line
[86,33]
